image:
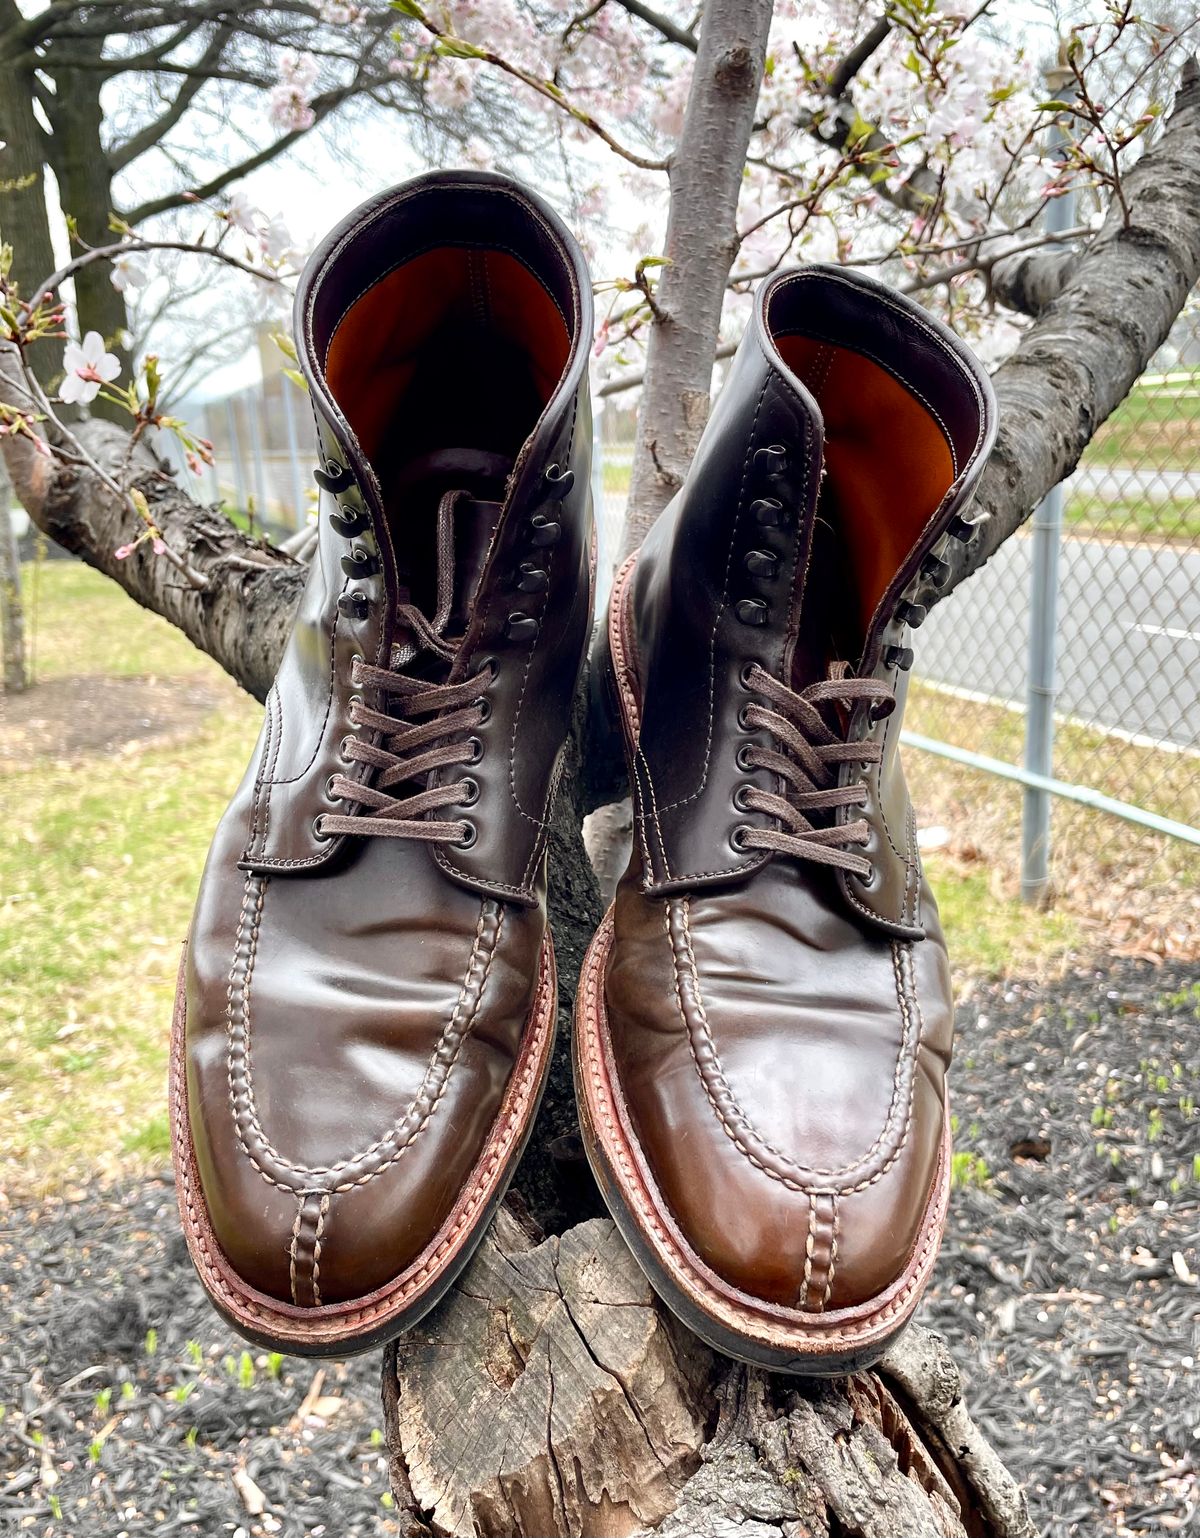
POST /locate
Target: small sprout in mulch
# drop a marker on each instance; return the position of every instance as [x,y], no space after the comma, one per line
[969,1169]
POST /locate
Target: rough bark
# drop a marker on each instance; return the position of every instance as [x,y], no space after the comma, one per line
[551,1394]
[12,613]
[1087,348]
[706,178]
[24,218]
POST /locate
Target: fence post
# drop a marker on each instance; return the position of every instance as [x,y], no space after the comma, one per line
[257,451]
[235,454]
[1043,622]
[298,477]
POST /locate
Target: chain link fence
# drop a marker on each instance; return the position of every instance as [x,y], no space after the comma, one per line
[1126,662]
[1125,704]
[1125,718]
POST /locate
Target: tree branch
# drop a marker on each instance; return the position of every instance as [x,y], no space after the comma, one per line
[120,155]
[322,106]
[1091,342]
[78,511]
[867,45]
[663,25]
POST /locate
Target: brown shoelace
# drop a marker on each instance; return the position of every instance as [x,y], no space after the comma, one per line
[407,749]
[794,718]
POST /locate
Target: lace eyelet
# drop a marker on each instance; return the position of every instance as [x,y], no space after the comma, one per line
[742,718]
[559,481]
[329,790]
[353,606]
[491,667]
[333,477]
[739,799]
[737,839]
[484,707]
[352,705]
[743,758]
[751,611]
[318,830]
[470,792]
[746,675]
[476,746]
[869,879]
[345,749]
[469,834]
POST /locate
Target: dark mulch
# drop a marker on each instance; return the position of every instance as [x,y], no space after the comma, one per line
[1067,1288]
[130,1409]
[1067,1285]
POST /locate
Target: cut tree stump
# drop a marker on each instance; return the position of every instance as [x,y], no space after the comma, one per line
[551,1395]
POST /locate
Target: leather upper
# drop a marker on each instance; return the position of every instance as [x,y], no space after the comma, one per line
[781,1029]
[546,520]
[355,1005]
[752,491]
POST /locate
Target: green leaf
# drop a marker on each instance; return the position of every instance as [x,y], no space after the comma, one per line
[408,8]
[457,48]
[859,131]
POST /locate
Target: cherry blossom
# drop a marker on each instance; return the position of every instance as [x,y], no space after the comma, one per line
[278,246]
[129,272]
[88,367]
[290,106]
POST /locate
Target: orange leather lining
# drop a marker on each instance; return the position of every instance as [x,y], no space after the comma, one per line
[374,354]
[888,462]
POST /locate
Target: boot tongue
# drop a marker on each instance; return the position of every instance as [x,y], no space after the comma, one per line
[457,496]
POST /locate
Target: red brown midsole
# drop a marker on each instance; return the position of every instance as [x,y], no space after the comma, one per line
[336,1329]
[786,1339]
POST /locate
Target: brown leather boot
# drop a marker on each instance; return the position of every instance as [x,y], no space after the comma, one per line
[367,1006]
[764,1021]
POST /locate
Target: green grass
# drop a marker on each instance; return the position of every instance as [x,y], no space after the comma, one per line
[1168,520]
[1163,782]
[616,477]
[97,890]
[1156,425]
[991,936]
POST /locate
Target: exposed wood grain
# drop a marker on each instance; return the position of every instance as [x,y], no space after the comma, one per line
[551,1396]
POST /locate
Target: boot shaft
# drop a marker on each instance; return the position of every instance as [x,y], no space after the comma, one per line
[443,330]
[837,462]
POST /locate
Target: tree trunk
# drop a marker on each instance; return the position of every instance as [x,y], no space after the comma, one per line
[84,178]
[24,218]
[12,613]
[706,179]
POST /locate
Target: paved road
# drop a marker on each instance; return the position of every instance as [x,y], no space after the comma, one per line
[1128,630]
[1128,635]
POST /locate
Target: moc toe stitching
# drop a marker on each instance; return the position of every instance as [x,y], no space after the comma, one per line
[740,1129]
[367,1164]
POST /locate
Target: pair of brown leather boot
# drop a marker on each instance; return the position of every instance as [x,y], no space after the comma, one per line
[366,1010]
